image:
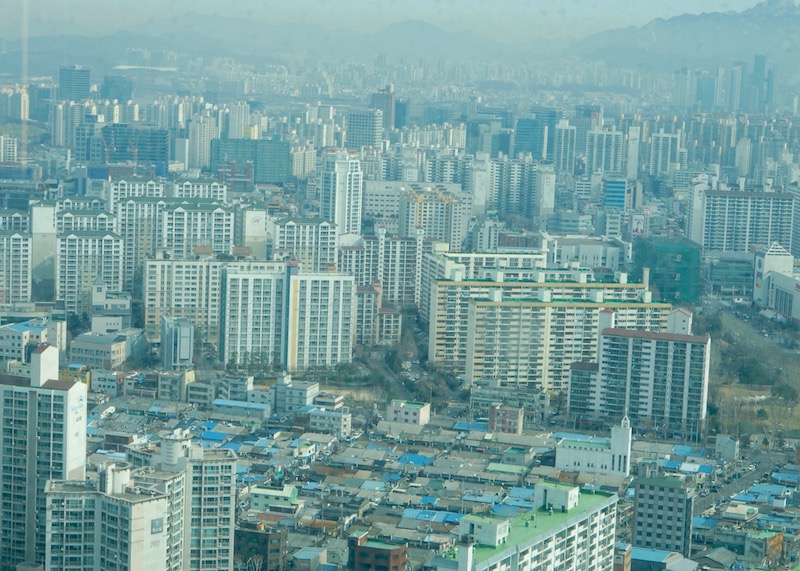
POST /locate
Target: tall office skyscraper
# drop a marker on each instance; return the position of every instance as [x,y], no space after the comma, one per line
[74,83]
[341,189]
[386,101]
[43,438]
[364,128]
[587,117]
[536,134]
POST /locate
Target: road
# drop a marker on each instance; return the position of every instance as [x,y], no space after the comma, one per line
[763,460]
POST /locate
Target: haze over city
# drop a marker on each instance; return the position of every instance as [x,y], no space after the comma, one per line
[358,285]
[509,21]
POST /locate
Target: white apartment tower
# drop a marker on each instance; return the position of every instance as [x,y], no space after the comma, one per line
[310,241]
[564,147]
[188,225]
[442,216]
[43,438]
[109,524]
[238,120]
[190,289]
[604,150]
[15,266]
[666,152]
[296,319]
[81,257]
[657,379]
[341,189]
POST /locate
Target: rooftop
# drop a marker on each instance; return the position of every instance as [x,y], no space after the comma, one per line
[543,523]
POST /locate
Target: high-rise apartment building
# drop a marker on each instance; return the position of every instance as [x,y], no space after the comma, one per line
[191,289]
[238,120]
[191,224]
[604,150]
[394,262]
[657,379]
[294,319]
[341,190]
[109,524]
[74,83]
[443,216]
[662,514]
[588,117]
[530,329]
[666,151]
[43,438]
[81,257]
[202,129]
[533,335]
[564,147]
[731,220]
[310,241]
[15,266]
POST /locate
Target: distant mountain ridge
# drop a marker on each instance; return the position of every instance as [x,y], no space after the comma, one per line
[690,40]
[710,38]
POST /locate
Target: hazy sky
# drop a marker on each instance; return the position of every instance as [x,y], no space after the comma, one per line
[499,19]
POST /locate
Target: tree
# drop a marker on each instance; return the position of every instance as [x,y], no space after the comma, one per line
[761,414]
[255,563]
[786,392]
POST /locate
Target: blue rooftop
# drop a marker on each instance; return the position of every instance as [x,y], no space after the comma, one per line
[214,436]
[431,516]
[23,326]
[704,522]
[650,555]
[464,426]
[504,510]
[415,459]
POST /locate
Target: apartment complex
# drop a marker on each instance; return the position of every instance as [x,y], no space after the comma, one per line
[190,289]
[531,330]
[658,379]
[295,319]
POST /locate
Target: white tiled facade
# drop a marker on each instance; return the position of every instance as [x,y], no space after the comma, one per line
[81,257]
[15,267]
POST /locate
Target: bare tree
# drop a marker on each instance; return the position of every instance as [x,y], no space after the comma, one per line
[255,563]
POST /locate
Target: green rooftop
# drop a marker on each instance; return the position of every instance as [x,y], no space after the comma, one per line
[505,468]
[541,524]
